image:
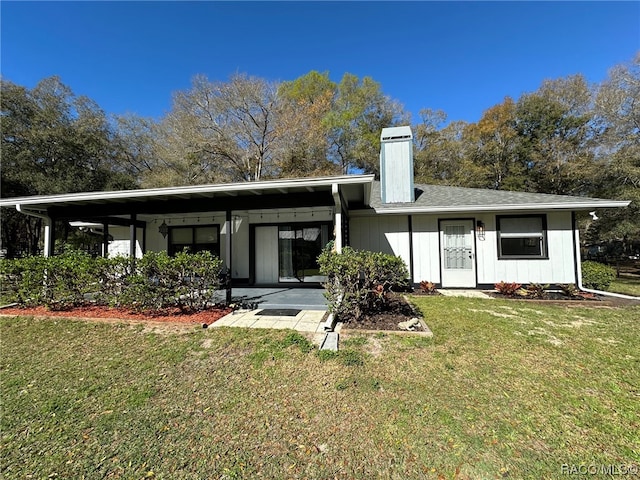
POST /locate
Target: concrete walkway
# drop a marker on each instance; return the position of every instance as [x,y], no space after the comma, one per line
[304,321]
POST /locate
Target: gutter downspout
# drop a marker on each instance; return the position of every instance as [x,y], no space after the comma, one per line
[576,238]
[47,226]
[335,192]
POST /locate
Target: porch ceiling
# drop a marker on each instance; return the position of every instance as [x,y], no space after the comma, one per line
[302,192]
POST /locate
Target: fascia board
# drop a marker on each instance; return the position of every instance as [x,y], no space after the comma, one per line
[185,190]
[500,208]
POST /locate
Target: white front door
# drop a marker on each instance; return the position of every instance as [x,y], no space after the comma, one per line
[457,253]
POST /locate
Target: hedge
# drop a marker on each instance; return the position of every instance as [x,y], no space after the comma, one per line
[597,275]
[154,282]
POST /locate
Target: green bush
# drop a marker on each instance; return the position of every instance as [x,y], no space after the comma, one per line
[343,280]
[22,280]
[153,282]
[57,282]
[358,281]
[159,281]
[69,278]
[113,276]
[597,275]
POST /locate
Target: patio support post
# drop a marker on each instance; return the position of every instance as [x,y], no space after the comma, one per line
[335,192]
[144,239]
[49,237]
[49,227]
[228,228]
[105,239]
[133,238]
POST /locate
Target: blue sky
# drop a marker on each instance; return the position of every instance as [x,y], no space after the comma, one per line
[455,56]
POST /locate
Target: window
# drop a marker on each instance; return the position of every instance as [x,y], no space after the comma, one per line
[194,239]
[522,237]
[299,246]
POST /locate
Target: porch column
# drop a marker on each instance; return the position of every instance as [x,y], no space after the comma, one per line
[105,239]
[228,229]
[133,236]
[49,237]
[335,192]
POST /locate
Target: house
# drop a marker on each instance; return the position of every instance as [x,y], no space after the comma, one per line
[271,232]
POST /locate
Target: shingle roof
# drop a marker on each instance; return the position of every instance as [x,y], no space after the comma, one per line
[440,198]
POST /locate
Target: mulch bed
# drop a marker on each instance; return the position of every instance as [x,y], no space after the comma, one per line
[397,310]
[557,298]
[174,316]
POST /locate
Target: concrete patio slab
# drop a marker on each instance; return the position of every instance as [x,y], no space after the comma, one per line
[305,321]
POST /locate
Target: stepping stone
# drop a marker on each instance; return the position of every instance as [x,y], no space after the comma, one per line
[330,342]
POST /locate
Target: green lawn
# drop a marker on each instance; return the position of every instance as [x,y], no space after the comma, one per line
[626,284]
[503,390]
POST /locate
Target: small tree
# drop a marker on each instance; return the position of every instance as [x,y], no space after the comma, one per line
[359,281]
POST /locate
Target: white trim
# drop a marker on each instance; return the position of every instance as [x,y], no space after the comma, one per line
[226,188]
[337,224]
[578,261]
[501,208]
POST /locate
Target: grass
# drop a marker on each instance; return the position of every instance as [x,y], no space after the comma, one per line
[503,389]
[626,284]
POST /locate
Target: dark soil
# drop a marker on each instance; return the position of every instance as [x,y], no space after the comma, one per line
[551,296]
[559,298]
[396,310]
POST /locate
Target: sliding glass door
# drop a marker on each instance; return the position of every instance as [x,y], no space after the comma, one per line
[298,248]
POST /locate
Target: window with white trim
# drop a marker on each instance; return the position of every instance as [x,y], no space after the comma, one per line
[522,236]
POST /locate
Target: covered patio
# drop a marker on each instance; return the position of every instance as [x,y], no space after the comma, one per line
[276,298]
[300,309]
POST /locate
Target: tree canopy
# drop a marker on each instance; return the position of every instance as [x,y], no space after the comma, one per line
[567,137]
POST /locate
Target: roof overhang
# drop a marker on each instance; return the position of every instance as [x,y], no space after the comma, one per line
[577,206]
[356,187]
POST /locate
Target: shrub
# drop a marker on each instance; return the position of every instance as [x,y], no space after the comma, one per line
[343,280]
[508,289]
[159,281]
[570,290]
[428,287]
[69,278]
[57,282]
[597,275]
[358,281]
[22,280]
[112,274]
[535,290]
[154,282]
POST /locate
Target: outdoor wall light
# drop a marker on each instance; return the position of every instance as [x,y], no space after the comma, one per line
[480,229]
[163,229]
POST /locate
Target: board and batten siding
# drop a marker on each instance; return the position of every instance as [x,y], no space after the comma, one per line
[559,267]
[390,234]
[381,233]
[426,249]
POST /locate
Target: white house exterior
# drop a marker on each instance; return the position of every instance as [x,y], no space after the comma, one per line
[270,233]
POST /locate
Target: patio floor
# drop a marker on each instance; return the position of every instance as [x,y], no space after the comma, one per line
[277,297]
[304,321]
[276,308]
